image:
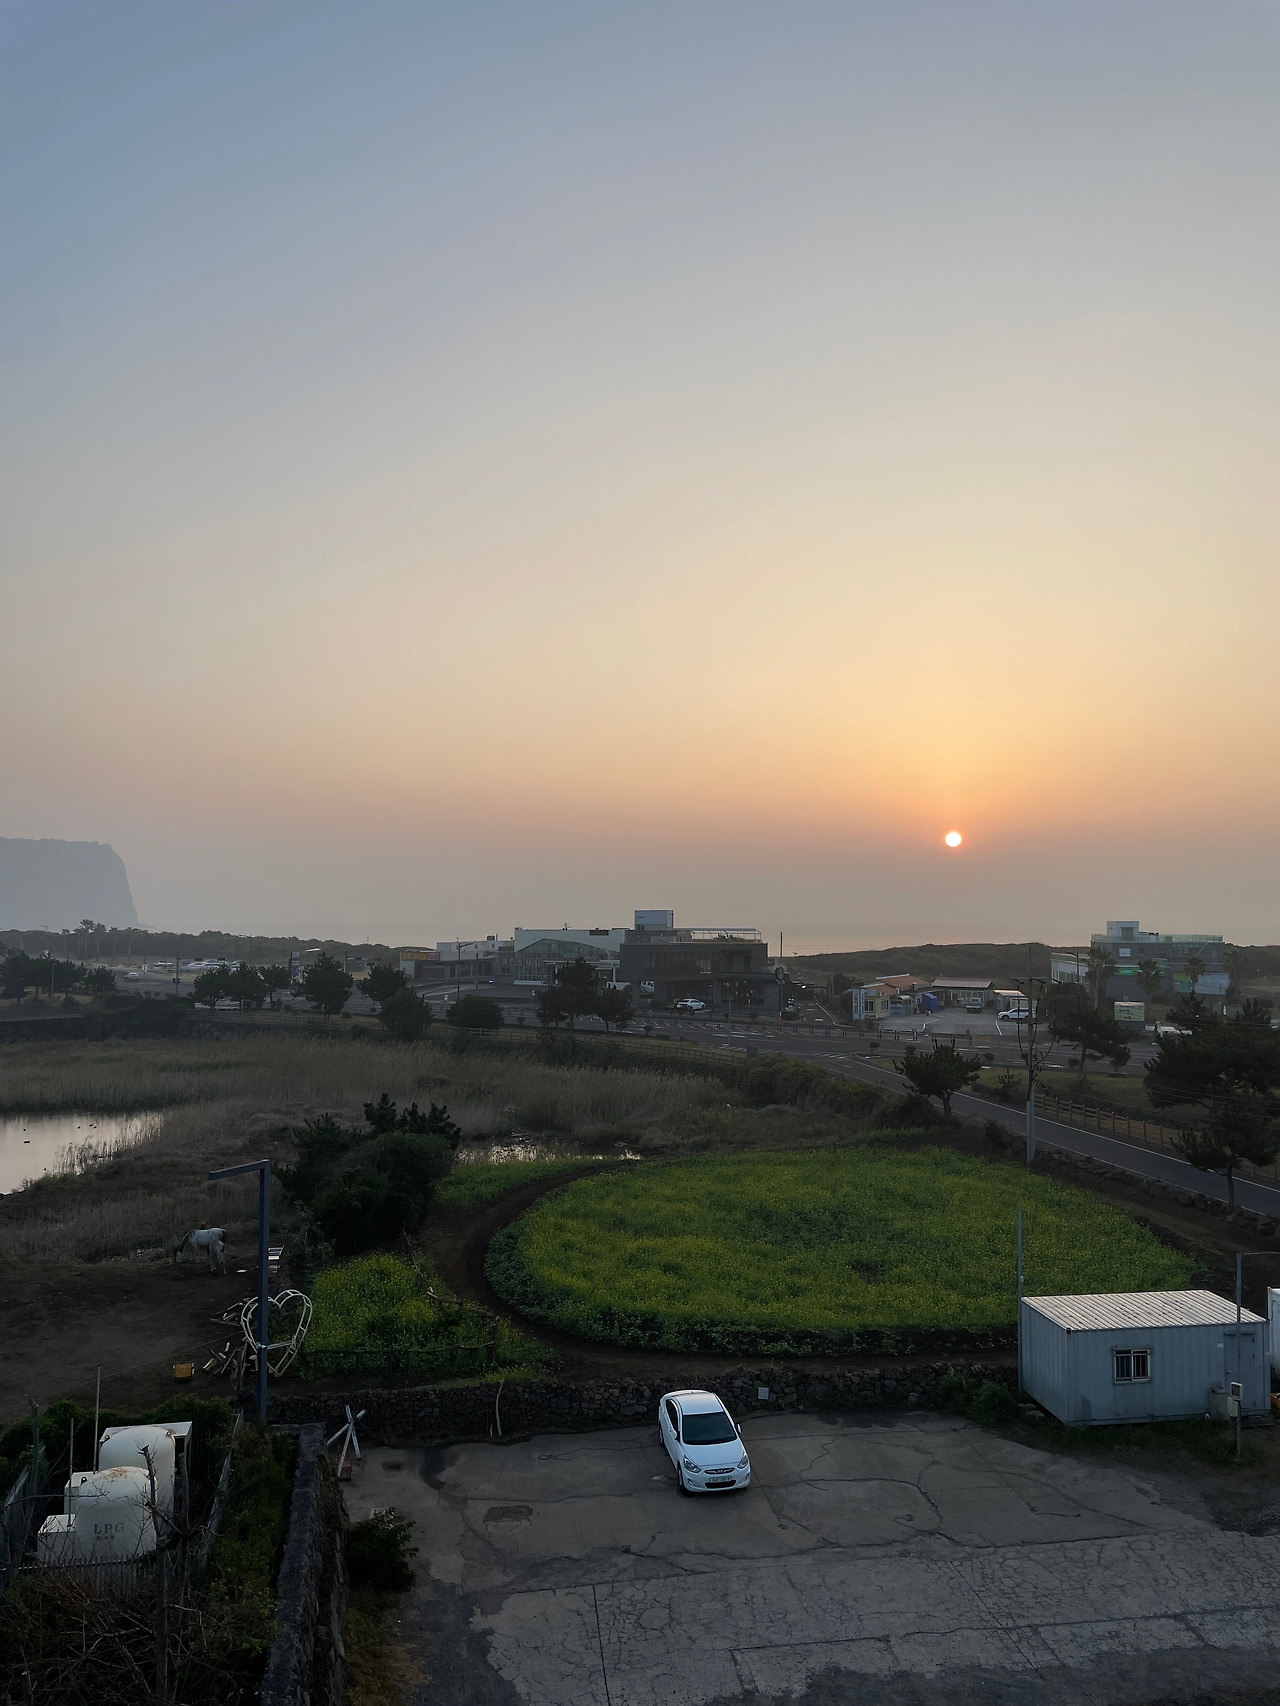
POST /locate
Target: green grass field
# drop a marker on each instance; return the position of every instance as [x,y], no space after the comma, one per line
[382,1306]
[476,1182]
[833,1249]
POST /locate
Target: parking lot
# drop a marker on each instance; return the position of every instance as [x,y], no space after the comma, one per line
[875,1559]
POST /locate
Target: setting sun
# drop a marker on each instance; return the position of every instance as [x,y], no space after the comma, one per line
[953,838]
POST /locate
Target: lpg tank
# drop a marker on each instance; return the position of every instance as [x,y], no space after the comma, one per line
[109,1510]
[122,1448]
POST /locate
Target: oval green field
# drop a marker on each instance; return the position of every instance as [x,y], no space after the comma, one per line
[837,1249]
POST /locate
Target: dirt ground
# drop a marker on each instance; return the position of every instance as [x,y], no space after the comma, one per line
[135,1319]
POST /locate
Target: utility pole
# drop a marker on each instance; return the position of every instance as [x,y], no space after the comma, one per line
[1033,1057]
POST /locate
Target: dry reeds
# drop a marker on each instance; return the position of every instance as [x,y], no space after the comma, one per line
[226,1101]
[485,1092]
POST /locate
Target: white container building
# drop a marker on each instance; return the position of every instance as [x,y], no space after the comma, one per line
[1141,1356]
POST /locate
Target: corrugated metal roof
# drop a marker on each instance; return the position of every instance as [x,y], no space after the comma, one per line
[1141,1309]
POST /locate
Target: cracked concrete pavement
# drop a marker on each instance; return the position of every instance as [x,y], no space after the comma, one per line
[877,1559]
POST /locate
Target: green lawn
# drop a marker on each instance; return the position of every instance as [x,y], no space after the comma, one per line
[475,1182]
[381,1308]
[822,1250]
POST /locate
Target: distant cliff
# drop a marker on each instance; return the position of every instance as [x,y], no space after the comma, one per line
[57,883]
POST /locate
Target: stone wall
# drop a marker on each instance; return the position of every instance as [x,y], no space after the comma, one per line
[304,1666]
[491,1410]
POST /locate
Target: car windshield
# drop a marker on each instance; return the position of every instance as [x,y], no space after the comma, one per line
[711,1428]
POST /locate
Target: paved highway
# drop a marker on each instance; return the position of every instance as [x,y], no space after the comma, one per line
[838,1055]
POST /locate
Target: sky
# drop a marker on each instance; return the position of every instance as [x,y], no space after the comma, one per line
[517,461]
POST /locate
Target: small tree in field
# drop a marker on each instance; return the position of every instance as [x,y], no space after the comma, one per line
[210,987]
[551,1008]
[578,988]
[1096,1035]
[614,1006]
[273,978]
[940,1072]
[326,985]
[476,1013]
[246,988]
[405,1016]
[382,982]
[100,981]
[1241,1128]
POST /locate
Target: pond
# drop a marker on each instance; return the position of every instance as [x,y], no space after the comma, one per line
[34,1144]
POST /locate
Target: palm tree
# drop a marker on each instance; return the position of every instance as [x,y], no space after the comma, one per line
[1101,965]
[1149,976]
[1195,970]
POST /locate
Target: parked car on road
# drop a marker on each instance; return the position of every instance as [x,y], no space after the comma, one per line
[973,1006]
[703,1441]
[1014,1015]
[690,1005]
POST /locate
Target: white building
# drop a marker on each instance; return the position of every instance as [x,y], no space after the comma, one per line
[1142,1356]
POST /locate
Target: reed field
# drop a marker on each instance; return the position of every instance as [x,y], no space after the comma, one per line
[487,1092]
[222,1101]
[795,1253]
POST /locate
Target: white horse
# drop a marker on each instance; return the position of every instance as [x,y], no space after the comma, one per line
[205,1237]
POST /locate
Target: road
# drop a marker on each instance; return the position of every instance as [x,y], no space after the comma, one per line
[877,1560]
[838,1055]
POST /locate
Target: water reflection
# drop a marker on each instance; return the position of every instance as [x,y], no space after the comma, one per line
[34,1144]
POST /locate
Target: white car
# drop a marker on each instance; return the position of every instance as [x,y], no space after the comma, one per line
[703,1441]
[1015,1015]
[690,1005]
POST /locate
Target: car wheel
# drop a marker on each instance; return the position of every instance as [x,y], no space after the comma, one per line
[680,1482]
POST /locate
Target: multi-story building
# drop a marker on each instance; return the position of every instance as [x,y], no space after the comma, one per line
[1129,945]
[727,968]
[537,953]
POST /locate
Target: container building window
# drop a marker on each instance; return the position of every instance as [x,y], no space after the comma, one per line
[1132,1365]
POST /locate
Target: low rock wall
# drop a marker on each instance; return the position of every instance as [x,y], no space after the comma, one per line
[304,1666]
[491,1410]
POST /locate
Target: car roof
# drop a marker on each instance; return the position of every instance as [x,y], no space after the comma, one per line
[695,1401]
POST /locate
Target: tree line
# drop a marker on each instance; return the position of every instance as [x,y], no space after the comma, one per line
[1226,1068]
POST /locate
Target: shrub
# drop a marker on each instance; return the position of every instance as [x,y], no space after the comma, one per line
[378,1553]
[368,1188]
[476,1013]
[405,1016]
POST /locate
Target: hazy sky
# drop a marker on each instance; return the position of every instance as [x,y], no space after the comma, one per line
[490,463]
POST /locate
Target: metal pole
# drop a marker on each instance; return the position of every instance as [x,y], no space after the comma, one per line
[97,1411]
[262,1330]
[1239,1376]
[264,1297]
[1019,1303]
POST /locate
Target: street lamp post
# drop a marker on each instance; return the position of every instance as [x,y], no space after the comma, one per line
[262,1328]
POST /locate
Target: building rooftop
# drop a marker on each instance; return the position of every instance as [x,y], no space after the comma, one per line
[1140,1309]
